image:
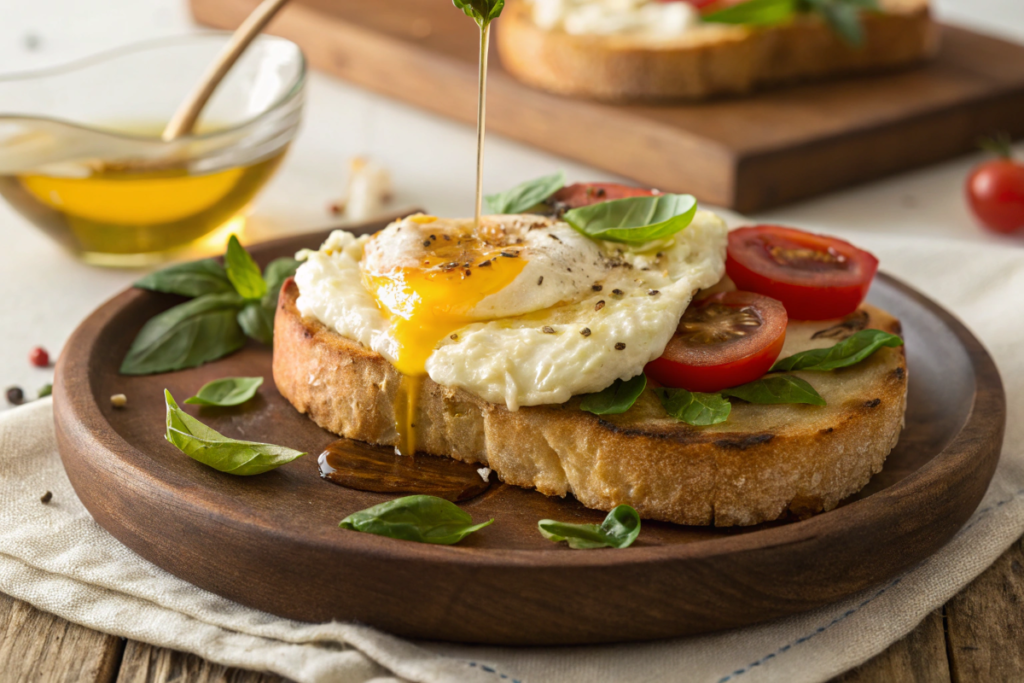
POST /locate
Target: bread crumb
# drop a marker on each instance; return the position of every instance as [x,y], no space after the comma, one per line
[484,472]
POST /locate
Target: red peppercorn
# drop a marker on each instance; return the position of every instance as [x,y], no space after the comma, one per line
[39,357]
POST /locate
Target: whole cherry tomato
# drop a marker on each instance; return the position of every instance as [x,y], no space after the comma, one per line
[995,191]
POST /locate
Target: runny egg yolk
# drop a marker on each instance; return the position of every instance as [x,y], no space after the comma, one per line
[427,303]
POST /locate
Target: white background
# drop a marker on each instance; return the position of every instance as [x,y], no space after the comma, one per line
[44,293]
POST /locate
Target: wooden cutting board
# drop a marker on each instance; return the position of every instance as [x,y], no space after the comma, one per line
[272,541]
[746,154]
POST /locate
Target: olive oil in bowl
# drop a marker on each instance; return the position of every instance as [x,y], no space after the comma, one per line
[82,157]
[125,215]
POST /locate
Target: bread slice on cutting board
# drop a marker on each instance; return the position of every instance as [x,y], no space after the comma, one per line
[711,59]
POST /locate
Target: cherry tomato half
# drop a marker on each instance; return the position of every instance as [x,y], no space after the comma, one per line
[723,341]
[995,190]
[814,276]
[584,194]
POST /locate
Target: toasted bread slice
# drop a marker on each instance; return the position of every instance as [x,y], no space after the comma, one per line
[712,59]
[764,463]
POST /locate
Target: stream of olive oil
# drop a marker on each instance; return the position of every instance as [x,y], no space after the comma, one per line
[124,210]
[481,115]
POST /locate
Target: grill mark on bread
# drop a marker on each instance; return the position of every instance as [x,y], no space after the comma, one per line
[745,442]
[873,403]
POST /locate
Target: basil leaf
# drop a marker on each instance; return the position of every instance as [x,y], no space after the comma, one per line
[228,391]
[850,351]
[843,16]
[257,321]
[424,519]
[755,12]
[187,335]
[189,279]
[776,389]
[276,272]
[205,445]
[694,408]
[481,11]
[243,271]
[634,219]
[619,529]
[525,195]
[616,399]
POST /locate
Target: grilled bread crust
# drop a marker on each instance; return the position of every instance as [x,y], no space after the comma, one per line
[764,463]
[712,60]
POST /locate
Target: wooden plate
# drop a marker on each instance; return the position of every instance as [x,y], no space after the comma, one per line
[272,542]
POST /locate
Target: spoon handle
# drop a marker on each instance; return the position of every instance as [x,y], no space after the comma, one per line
[185,117]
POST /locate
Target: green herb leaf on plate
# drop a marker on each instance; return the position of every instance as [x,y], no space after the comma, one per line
[205,445]
[619,529]
[843,16]
[227,391]
[276,272]
[481,11]
[755,13]
[243,271]
[776,389]
[189,279]
[45,390]
[187,335]
[257,321]
[424,519]
[850,351]
[634,220]
[694,408]
[617,398]
[525,195]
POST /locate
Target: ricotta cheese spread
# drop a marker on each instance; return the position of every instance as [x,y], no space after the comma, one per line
[615,309]
[610,17]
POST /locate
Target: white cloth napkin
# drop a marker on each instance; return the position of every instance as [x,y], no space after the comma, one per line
[57,558]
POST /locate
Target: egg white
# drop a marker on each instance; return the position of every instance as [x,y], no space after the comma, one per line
[537,341]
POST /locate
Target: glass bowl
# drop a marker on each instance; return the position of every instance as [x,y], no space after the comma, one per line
[81,155]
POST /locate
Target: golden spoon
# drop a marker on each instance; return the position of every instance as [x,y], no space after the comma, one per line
[185,117]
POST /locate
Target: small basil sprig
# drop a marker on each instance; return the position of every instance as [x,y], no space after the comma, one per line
[227,391]
[525,195]
[481,11]
[634,220]
[192,279]
[205,445]
[424,519]
[850,351]
[243,272]
[187,335]
[694,408]
[775,390]
[618,530]
[229,303]
[617,398]
[842,16]
[754,13]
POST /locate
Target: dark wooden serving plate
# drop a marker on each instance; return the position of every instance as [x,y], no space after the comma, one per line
[272,541]
[746,153]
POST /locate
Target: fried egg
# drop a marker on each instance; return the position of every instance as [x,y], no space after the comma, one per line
[522,311]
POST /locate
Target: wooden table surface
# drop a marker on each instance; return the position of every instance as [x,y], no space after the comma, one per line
[976,636]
